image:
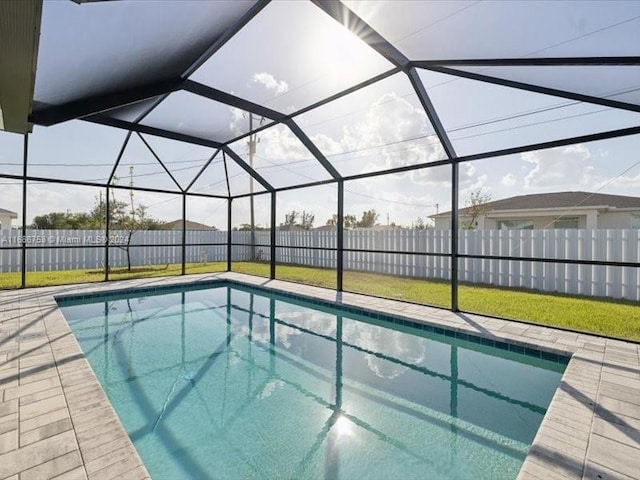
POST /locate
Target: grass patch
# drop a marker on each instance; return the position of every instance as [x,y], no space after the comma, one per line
[615,318]
[66,277]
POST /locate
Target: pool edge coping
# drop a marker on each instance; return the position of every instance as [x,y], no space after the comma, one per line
[565,445]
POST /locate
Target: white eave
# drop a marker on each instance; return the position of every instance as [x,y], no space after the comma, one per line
[19,35]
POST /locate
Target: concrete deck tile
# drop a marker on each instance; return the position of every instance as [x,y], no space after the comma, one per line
[42,406]
[110,447]
[7,408]
[138,473]
[110,458]
[553,468]
[75,474]
[8,441]
[107,434]
[621,429]
[55,467]
[41,395]
[30,388]
[45,431]
[17,461]
[593,471]
[619,392]
[43,420]
[614,455]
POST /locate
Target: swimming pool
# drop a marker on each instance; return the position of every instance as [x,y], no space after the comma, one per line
[227,381]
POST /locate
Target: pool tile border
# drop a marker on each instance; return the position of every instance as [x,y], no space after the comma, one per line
[56,421]
[423,325]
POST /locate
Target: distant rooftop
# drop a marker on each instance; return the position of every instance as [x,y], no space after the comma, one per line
[537,201]
[177,225]
[8,212]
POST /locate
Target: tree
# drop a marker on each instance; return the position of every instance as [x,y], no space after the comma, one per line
[246,227]
[307,220]
[302,219]
[290,219]
[129,217]
[350,221]
[419,224]
[369,219]
[477,206]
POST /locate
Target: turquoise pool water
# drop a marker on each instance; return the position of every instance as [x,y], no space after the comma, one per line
[233,383]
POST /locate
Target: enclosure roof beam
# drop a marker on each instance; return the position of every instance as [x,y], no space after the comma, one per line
[531,62]
[201,171]
[228,99]
[430,110]
[53,115]
[580,97]
[228,34]
[345,16]
[306,141]
[162,164]
[217,45]
[158,132]
[226,149]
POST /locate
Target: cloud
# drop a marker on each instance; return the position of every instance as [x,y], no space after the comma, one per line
[442,175]
[392,134]
[509,180]
[269,82]
[408,348]
[562,168]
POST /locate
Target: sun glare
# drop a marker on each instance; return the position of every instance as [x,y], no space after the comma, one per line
[341,55]
[343,427]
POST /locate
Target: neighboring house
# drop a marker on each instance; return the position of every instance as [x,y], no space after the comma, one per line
[325,228]
[582,210]
[380,228]
[377,228]
[291,228]
[177,225]
[6,216]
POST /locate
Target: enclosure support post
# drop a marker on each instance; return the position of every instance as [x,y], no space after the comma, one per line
[454,235]
[229,234]
[23,240]
[184,232]
[340,237]
[272,232]
[107,232]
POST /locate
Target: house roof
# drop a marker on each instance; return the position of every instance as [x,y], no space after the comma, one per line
[8,212]
[325,228]
[539,201]
[177,225]
[290,228]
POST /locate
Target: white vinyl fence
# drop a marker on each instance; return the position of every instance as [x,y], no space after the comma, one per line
[312,248]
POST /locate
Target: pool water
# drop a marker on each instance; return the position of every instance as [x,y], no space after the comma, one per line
[233,383]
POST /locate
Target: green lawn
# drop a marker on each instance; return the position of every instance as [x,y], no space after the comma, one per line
[609,317]
[596,315]
[65,277]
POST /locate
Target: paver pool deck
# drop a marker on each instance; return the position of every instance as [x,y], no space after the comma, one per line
[56,421]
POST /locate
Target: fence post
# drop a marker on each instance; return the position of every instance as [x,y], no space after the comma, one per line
[229,234]
[340,239]
[184,232]
[272,236]
[454,235]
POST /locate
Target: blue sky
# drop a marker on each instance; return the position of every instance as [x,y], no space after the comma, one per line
[288,65]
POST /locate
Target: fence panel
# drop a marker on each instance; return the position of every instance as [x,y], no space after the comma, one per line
[163,247]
